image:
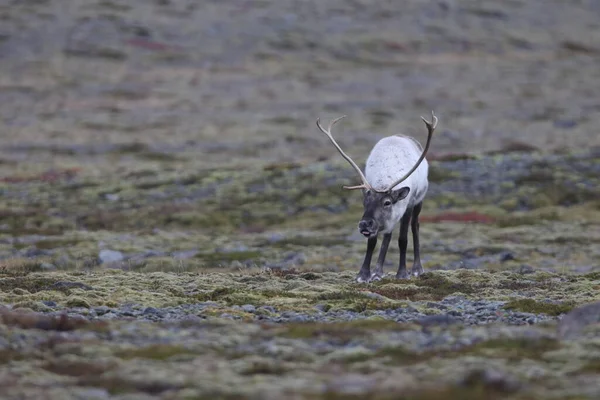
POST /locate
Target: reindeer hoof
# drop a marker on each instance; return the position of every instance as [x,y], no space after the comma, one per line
[377,276]
[416,270]
[362,278]
[402,275]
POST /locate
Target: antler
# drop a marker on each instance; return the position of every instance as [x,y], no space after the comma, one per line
[365,184]
[430,128]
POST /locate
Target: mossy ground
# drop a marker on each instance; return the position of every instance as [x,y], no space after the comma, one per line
[183,137]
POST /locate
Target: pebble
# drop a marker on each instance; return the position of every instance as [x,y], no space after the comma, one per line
[249,308]
[452,310]
[110,256]
[47,266]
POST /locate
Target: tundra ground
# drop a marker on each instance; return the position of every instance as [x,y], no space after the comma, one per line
[172,223]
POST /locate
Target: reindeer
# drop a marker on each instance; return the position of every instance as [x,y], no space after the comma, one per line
[385,202]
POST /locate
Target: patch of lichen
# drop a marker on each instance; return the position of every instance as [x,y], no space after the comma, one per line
[539,307]
[297,290]
[344,331]
[153,352]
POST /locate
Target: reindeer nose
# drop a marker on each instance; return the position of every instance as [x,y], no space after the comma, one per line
[366,227]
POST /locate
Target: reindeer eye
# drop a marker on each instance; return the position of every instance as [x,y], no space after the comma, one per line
[387,202]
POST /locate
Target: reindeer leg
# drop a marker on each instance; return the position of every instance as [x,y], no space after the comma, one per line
[403,244]
[417,268]
[378,274]
[365,271]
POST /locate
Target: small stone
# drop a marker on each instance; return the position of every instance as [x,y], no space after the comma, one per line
[437,305]
[375,296]
[565,123]
[506,256]
[492,379]
[101,310]
[150,310]
[110,256]
[62,285]
[249,308]
[435,320]
[93,394]
[525,269]
[47,266]
[276,237]
[111,197]
[185,254]
[49,303]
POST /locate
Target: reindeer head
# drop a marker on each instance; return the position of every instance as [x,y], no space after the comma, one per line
[379,204]
[379,209]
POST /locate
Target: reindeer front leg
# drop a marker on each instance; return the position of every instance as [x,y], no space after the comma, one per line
[403,244]
[365,271]
[378,273]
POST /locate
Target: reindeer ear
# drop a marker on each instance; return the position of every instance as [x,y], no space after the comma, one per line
[399,194]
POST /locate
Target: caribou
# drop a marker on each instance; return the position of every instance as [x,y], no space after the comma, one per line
[393,186]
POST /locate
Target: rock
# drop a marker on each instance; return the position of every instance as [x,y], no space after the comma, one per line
[249,308]
[525,269]
[565,123]
[93,394]
[491,379]
[185,254]
[506,256]
[574,322]
[150,311]
[49,303]
[436,320]
[375,296]
[111,197]
[32,252]
[276,237]
[47,266]
[292,259]
[101,310]
[110,256]
[62,285]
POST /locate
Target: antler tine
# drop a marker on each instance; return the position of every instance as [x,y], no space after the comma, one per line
[430,128]
[365,184]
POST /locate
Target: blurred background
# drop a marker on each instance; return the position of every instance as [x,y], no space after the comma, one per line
[150,128]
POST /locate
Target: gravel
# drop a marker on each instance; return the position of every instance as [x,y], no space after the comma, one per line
[451,310]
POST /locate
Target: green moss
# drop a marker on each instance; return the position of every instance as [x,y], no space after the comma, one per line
[218,258]
[9,355]
[429,286]
[77,302]
[309,241]
[591,367]
[56,243]
[263,367]
[538,307]
[593,276]
[515,349]
[29,284]
[153,352]
[437,174]
[340,330]
[77,368]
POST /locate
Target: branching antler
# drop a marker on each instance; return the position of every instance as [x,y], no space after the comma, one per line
[365,184]
[431,125]
[430,128]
